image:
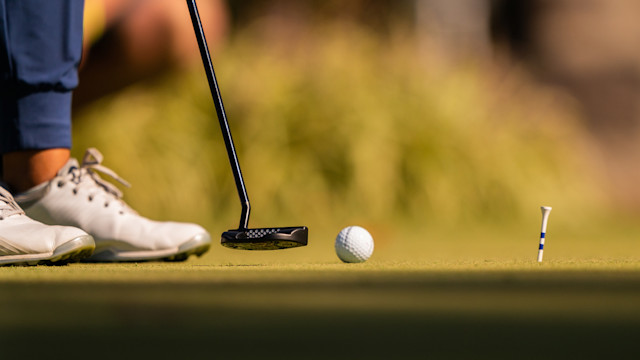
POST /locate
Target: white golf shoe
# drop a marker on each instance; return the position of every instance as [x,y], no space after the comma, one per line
[24,241]
[77,196]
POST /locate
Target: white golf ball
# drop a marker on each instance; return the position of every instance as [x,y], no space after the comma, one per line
[354,244]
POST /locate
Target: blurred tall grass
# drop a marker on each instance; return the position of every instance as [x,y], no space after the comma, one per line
[347,128]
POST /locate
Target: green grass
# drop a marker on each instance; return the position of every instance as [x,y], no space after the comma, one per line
[508,309]
[473,292]
[465,292]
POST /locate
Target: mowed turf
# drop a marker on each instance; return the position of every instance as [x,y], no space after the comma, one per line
[380,309]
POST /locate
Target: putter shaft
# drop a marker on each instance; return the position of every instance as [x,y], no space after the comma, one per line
[222,116]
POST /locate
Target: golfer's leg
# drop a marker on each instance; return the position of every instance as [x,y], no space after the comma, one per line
[40,49]
[38,59]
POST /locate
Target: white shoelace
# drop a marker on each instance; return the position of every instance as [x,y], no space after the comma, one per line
[87,177]
[8,205]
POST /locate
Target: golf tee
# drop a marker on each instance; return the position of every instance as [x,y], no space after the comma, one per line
[543,231]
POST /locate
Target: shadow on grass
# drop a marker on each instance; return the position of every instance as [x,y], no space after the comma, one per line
[420,318]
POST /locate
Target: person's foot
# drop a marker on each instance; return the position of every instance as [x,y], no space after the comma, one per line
[24,241]
[77,196]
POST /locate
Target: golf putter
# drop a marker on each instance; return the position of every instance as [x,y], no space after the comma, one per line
[242,238]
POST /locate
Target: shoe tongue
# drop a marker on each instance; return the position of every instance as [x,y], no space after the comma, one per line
[68,167]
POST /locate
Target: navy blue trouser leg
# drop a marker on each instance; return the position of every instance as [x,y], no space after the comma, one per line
[40,49]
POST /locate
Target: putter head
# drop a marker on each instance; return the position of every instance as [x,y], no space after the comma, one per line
[265,238]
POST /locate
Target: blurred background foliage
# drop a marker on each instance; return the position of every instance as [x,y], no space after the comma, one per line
[339,119]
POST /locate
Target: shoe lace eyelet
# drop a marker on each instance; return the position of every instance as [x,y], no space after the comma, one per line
[60,184]
[106,204]
[75,191]
[90,198]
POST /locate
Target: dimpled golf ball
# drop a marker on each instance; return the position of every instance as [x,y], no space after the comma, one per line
[354,244]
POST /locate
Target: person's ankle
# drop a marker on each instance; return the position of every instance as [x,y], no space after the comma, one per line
[23,170]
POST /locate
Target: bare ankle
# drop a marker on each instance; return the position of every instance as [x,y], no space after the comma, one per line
[23,170]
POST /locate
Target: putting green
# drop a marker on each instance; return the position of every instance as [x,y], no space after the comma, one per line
[325,310]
